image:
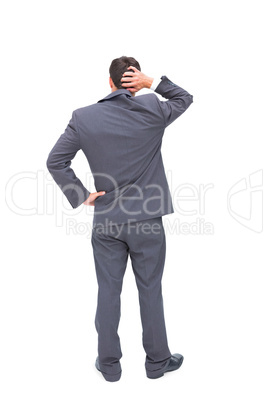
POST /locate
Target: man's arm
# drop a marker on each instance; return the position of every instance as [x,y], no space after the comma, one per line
[59,162]
[178,99]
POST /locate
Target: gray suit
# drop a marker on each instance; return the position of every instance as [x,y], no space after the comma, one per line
[121,137]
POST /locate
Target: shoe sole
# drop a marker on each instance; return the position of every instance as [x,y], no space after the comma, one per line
[109,377]
[166,371]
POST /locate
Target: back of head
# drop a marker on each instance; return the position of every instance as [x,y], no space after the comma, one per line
[119,66]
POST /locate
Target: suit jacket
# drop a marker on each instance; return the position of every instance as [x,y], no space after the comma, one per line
[121,137]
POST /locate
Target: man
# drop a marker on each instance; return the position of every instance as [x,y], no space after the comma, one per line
[121,137]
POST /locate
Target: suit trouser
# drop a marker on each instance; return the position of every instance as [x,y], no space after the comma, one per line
[145,242]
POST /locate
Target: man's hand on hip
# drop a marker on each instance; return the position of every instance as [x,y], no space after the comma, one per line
[133,82]
[92,197]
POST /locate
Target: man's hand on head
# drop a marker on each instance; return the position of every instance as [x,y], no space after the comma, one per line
[92,197]
[134,81]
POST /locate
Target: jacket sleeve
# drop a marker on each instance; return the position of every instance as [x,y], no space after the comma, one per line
[59,165]
[178,100]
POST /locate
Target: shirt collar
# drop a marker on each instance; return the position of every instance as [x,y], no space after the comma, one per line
[116,93]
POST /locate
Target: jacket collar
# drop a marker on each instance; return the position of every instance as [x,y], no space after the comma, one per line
[116,93]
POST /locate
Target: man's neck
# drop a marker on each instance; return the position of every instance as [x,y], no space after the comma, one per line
[116,89]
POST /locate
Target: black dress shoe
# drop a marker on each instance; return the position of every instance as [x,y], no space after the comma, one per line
[108,377]
[174,364]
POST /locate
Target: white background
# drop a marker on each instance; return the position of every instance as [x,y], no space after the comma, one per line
[56,56]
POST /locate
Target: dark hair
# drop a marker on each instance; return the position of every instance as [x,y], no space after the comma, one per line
[119,66]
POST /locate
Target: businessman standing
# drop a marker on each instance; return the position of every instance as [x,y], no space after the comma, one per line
[121,137]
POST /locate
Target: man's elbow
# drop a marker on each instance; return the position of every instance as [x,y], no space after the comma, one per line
[49,163]
[190,99]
